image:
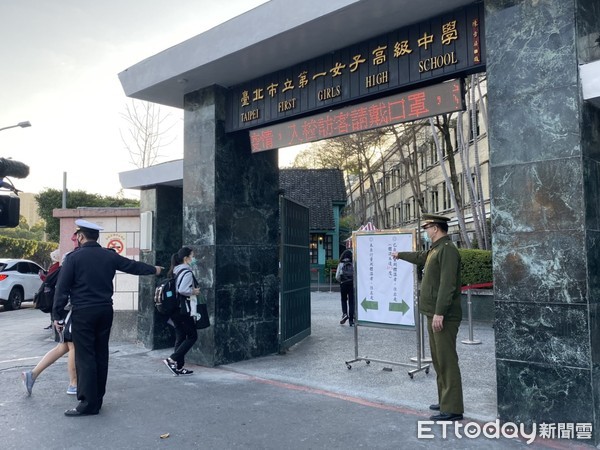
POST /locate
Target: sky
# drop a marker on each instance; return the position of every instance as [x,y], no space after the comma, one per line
[60,66]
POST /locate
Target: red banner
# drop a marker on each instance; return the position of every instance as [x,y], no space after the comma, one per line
[408,106]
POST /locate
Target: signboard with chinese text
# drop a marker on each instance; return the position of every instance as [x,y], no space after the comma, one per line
[385,287]
[438,49]
[418,104]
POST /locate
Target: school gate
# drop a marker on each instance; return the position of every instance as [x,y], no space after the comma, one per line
[248,76]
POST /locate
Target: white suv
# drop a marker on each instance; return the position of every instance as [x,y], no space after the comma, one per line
[19,281]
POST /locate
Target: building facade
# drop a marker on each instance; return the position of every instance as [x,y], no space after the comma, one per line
[402,167]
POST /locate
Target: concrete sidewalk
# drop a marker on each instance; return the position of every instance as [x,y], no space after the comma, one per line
[305,399]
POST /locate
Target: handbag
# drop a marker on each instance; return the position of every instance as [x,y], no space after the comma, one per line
[202,321]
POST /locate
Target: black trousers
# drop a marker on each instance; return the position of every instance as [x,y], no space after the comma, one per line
[185,337]
[347,292]
[91,331]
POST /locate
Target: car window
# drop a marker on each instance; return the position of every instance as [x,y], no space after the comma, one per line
[34,268]
[10,267]
[23,267]
[2,266]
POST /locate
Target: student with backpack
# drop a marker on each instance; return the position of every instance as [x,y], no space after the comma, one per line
[182,317]
[63,337]
[345,276]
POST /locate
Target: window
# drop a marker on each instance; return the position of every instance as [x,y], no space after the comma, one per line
[407,211]
[445,197]
[328,244]
[474,129]
[433,153]
[435,204]
[474,179]
[314,249]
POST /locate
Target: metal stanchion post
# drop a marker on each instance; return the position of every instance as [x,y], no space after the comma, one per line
[318,280]
[470,341]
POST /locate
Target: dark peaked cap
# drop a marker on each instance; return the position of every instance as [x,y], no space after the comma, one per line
[433,218]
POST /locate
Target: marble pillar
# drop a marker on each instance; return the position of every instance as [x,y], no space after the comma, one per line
[545,184]
[165,203]
[231,220]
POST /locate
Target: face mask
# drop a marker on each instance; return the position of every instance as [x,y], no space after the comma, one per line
[194,262]
[425,237]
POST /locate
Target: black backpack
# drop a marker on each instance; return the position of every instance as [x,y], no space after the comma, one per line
[44,298]
[166,297]
[347,272]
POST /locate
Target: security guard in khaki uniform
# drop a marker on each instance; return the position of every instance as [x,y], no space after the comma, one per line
[440,303]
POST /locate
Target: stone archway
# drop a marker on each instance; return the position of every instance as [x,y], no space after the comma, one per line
[544,180]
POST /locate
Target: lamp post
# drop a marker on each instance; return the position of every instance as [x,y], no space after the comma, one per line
[25,124]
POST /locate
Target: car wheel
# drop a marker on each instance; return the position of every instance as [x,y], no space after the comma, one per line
[14,299]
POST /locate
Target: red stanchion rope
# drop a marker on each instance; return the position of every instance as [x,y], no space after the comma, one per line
[477,286]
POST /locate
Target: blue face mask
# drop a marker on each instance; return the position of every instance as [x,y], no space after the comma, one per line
[194,262]
[425,237]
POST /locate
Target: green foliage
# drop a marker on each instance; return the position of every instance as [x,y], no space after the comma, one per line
[330,269]
[23,231]
[27,249]
[476,266]
[348,224]
[51,199]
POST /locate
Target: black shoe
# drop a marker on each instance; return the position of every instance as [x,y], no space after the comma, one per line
[435,407]
[172,366]
[184,371]
[447,417]
[351,323]
[76,413]
[344,318]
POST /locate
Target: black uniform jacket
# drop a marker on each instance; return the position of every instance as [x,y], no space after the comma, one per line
[86,277]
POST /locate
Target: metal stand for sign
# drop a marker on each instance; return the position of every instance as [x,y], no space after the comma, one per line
[417,368]
[424,358]
[418,327]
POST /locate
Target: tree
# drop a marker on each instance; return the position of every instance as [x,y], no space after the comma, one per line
[146,133]
[51,199]
[24,231]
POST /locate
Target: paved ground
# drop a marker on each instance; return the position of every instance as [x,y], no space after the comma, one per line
[305,399]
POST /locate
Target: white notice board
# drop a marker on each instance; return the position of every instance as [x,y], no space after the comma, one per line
[385,287]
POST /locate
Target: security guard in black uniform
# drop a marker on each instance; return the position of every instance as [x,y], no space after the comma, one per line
[86,279]
[439,301]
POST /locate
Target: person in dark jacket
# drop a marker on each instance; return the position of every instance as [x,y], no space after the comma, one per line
[185,327]
[439,301]
[346,281]
[86,279]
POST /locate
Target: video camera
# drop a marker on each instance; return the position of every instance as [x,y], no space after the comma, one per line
[10,204]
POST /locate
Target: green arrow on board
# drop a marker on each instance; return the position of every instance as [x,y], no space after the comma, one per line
[369,304]
[399,307]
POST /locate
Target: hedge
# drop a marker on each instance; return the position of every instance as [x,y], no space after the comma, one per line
[36,251]
[476,266]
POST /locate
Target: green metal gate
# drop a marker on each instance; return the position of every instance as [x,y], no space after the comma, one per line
[294,308]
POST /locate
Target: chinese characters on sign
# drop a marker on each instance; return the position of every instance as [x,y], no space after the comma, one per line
[438,49]
[384,288]
[412,105]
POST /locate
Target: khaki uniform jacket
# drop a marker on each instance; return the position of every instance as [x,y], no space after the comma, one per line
[440,288]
